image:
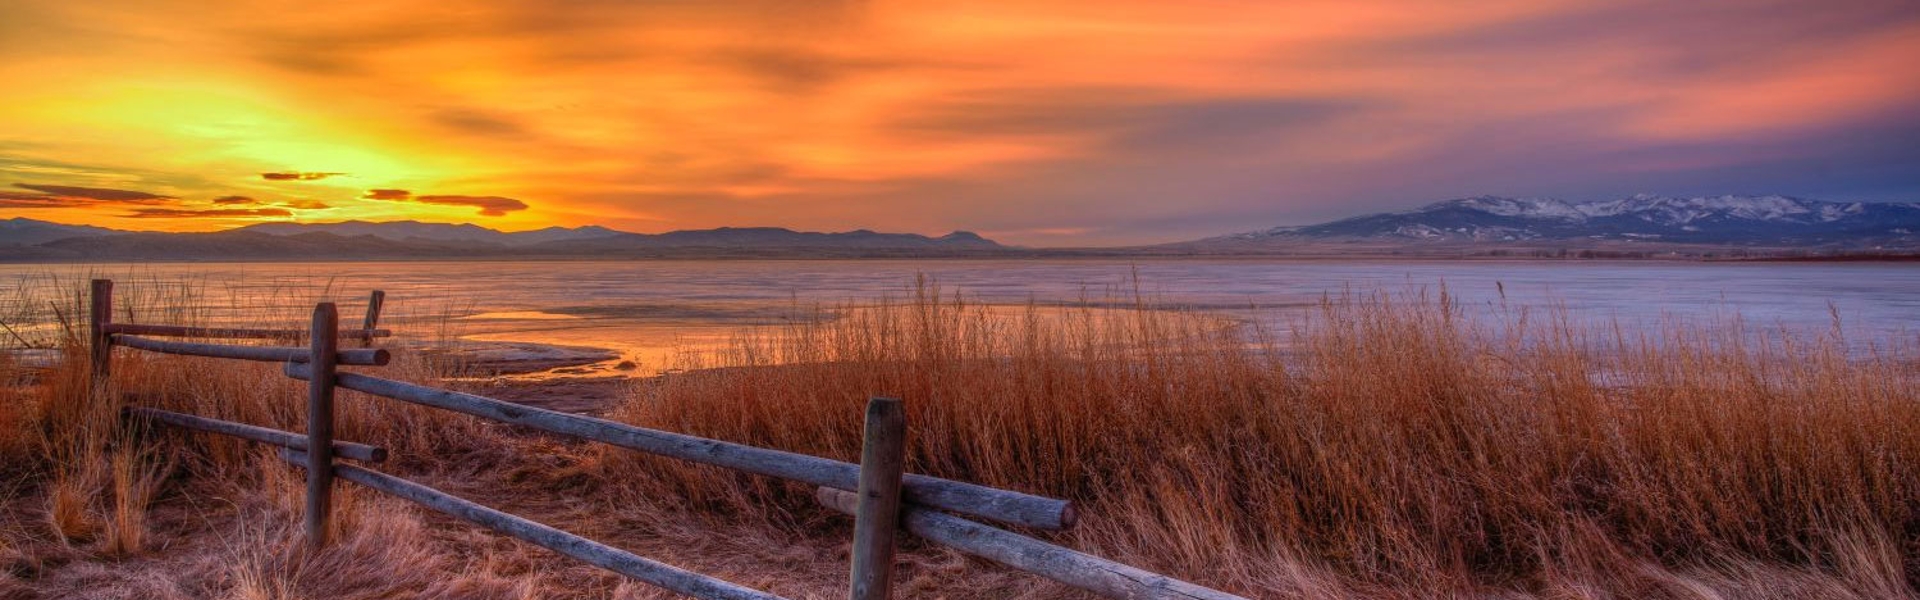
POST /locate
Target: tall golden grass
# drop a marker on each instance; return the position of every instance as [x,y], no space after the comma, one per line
[1382,446]
[1385,443]
[96,477]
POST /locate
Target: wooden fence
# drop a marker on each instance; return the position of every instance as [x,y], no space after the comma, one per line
[881,497]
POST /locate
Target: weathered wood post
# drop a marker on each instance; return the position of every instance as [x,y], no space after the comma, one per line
[882,460]
[99,315]
[323,354]
[374,302]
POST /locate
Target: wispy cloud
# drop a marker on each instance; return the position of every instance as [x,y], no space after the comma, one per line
[211,213]
[93,193]
[490,206]
[387,194]
[297,176]
[306,204]
[297,204]
[11,200]
[146,205]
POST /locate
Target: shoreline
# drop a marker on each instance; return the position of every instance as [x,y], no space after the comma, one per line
[1330,255]
[550,376]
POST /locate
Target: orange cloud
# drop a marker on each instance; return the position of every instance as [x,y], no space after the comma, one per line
[490,206]
[388,194]
[1058,121]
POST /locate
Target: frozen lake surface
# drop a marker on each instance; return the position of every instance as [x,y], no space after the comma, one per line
[643,309]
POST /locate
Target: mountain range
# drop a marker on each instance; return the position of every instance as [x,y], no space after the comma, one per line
[27,232]
[1642,225]
[24,239]
[1737,221]
[415,231]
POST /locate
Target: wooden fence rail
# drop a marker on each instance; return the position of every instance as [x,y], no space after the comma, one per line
[357,356]
[275,437]
[601,555]
[232,333]
[887,499]
[981,501]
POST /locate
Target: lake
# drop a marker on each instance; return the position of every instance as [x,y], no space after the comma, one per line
[643,310]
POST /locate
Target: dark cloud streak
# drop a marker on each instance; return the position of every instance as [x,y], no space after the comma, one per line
[92,193]
[388,194]
[306,204]
[490,206]
[218,213]
[480,123]
[33,201]
[297,176]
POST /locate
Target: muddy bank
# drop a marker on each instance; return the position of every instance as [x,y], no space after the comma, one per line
[498,359]
[575,379]
[583,395]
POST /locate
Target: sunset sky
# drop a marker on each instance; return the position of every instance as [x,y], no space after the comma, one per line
[1041,123]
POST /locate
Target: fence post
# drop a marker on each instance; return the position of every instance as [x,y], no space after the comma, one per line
[374,302]
[882,460]
[99,315]
[323,348]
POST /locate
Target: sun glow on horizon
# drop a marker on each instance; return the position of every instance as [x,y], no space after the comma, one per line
[1059,121]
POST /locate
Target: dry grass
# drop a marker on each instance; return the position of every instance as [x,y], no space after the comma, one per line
[69,515]
[1384,445]
[1382,448]
[97,478]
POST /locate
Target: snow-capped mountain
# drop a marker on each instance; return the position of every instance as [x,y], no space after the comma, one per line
[1741,220]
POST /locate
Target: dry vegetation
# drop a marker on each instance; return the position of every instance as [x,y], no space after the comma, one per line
[1382,448]
[1385,446]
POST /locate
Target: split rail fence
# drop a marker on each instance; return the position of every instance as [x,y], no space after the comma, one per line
[881,497]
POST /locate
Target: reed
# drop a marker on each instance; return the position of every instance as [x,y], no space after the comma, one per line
[97,477]
[1382,446]
[1386,442]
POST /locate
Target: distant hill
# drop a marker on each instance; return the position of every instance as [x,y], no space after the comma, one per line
[240,246]
[402,231]
[773,237]
[360,240]
[1735,221]
[28,232]
[1483,226]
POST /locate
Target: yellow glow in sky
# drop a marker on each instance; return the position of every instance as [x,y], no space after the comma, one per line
[1053,122]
